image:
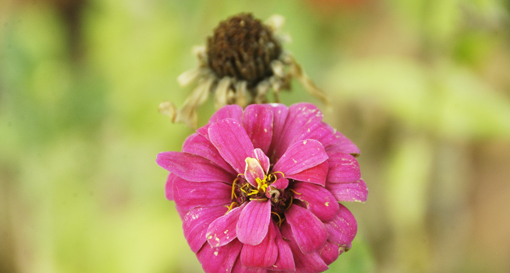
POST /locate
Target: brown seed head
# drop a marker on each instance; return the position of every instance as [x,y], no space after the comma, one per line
[243,48]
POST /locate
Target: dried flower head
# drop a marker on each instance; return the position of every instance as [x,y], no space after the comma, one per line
[259,190]
[242,62]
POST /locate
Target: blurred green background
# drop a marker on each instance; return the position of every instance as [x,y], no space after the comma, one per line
[422,86]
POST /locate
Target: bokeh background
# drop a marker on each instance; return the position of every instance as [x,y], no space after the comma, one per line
[422,86]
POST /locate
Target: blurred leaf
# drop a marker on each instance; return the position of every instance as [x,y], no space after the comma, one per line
[446,100]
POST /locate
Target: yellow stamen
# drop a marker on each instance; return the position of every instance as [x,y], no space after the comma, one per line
[258,199]
[280,218]
[280,172]
[234,187]
[295,192]
[253,192]
[231,206]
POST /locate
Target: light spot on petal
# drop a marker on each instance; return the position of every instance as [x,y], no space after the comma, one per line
[216,253]
[210,237]
[304,142]
[327,204]
[265,130]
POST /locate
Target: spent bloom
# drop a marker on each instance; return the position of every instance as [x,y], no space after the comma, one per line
[242,61]
[259,190]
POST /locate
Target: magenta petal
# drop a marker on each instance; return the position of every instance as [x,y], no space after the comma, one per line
[300,156]
[316,175]
[309,262]
[188,195]
[192,167]
[195,224]
[262,158]
[349,192]
[342,229]
[344,145]
[343,168]
[317,199]
[223,230]
[300,117]
[232,142]
[240,268]
[219,259]
[321,132]
[169,186]
[263,254]
[254,222]
[198,145]
[228,111]
[281,183]
[309,232]
[280,112]
[285,260]
[329,252]
[258,123]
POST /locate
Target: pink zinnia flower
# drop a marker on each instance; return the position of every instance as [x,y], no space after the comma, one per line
[258,191]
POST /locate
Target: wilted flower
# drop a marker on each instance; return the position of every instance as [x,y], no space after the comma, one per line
[242,61]
[258,191]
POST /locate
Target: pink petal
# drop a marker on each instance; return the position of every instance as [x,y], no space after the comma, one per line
[240,268]
[329,252]
[316,175]
[228,111]
[300,117]
[189,195]
[321,132]
[280,112]
[309,262]
[198,145]
[309,232]
[168,186]
[232,142]
[253,171]
[258,123]
[223,230]
[262,158]
[343,168]
[195,224]
[192,167]
[182,211]
[263,254]
[332,140]
[254,222]
[317,199]
[285,260]
[349,192]
[219,259]
[301,156]
[232,111]
[344,145]
[281,183]
[343,228]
